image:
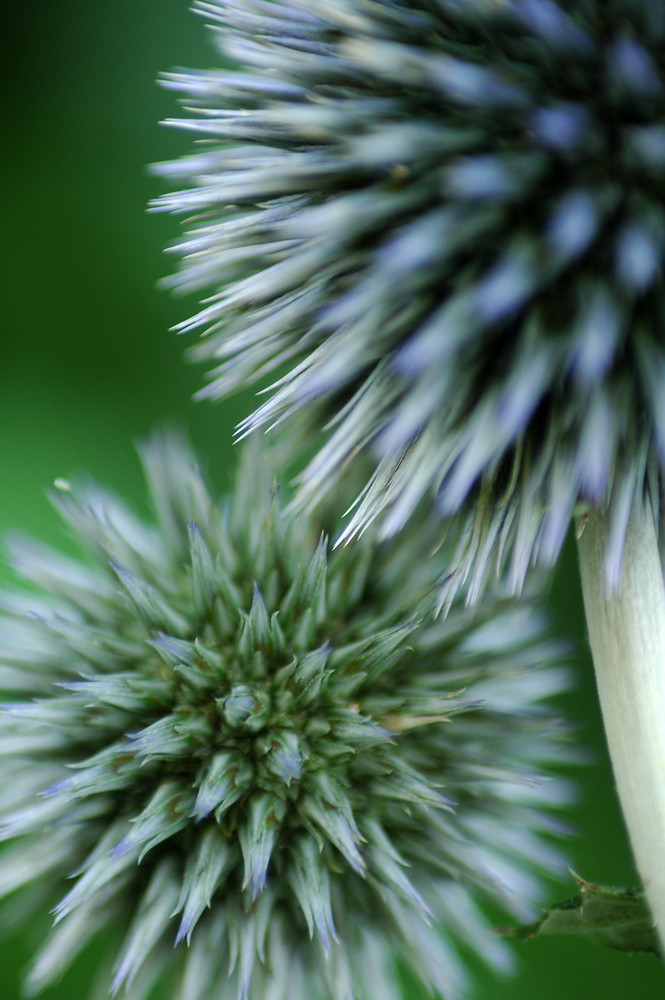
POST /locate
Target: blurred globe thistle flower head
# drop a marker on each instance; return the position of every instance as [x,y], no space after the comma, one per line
[221,736]
[442,224]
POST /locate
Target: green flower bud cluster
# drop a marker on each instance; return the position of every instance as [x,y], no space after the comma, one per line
[220,736]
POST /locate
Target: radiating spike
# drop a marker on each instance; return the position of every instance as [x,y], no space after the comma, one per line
[257,837]
[206,869]
[152,919]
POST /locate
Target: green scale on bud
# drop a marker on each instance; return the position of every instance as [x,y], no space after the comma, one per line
[220,736]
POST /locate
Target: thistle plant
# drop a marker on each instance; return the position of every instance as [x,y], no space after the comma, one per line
[439,227]
[221,735]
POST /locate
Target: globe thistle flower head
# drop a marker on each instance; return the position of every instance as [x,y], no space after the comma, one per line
[269,765]
[442,225]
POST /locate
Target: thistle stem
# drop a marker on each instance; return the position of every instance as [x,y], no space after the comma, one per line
[627,637]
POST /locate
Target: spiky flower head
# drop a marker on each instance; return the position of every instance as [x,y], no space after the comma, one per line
[273,758]
[446,219]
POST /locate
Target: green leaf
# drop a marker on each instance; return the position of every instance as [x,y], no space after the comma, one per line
[614,918]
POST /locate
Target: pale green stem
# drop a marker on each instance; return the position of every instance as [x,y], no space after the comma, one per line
[627,637]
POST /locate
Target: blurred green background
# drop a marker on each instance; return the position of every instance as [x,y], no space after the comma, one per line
[88,366]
